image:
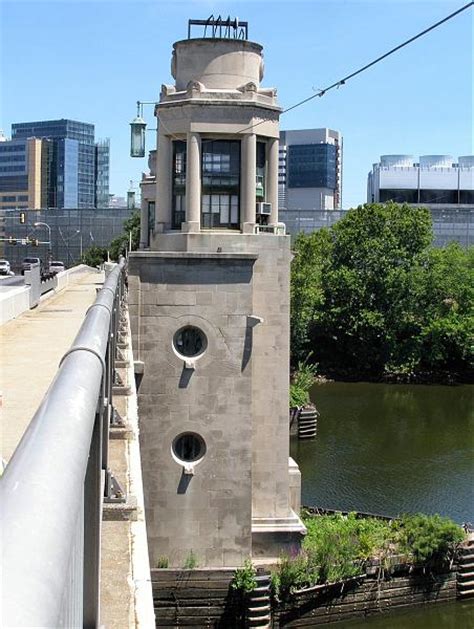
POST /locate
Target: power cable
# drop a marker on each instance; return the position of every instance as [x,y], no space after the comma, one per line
[343,81]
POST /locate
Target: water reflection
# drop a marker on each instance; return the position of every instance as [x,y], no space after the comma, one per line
[391,449]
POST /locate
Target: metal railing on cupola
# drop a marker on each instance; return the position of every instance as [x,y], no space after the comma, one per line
[53,487]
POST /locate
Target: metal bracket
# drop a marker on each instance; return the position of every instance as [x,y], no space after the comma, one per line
[113,489]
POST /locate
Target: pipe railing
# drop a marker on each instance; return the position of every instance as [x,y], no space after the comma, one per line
[52,489]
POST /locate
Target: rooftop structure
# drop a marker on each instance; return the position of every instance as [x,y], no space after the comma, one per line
[430,180]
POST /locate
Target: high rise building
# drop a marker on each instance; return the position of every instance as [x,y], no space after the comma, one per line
[102,169]
[434,181]
[74,171]
[20,173]
[310,170]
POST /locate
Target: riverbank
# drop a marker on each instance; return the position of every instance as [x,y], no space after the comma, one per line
[443,378]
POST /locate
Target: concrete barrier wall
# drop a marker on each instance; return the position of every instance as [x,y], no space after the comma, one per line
[14,302]
[19,299]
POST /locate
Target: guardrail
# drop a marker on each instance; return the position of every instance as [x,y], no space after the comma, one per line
[53,488]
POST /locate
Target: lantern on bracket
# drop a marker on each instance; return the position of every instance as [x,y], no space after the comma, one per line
[137,134]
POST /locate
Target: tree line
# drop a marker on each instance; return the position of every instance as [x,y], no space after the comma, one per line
[372,298]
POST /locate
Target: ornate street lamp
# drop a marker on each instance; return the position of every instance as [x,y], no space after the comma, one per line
[137,137]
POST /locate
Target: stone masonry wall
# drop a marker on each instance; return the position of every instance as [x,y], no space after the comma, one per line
[208,513]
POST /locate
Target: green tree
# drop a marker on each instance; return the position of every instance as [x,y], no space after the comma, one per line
[119,246]
[310,253]
[371,297]
[94,256]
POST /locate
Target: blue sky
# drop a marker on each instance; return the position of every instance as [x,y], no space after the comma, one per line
[92,60]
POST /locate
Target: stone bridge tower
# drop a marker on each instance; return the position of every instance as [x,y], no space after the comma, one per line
[209,300]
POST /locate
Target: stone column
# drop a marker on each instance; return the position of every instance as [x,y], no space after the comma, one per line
[272,178]
[193,183]
[163,183]
[248,178]
[144,236]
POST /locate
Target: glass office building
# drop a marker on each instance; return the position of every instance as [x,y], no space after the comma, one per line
[310,170]
[69,172]
[102,170]
[311,166]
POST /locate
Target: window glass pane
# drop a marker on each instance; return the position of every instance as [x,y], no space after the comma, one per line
[234,215]
[225,212]
[220,181]
[215,203]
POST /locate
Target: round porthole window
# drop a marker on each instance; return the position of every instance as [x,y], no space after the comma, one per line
[189,447]
[190,341]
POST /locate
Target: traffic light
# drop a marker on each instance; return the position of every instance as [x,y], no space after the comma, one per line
[11,240]
[22,218]
[34,242]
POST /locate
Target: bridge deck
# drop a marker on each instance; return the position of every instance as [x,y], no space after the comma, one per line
[31,347]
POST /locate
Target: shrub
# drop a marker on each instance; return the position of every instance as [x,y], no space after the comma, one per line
[302,381]
[162,562]
[244,578]
[427,538]
[337,546]
[295,573]
[191,561]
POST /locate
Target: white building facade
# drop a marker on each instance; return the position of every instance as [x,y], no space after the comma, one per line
[432,181]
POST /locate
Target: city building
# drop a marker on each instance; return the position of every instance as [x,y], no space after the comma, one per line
[102,172]
[20,174]
[74,171]
[310,170]
[116,201]
[433,181]
[73,231]
[209,306]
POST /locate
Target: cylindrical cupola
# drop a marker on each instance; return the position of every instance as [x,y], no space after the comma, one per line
[218,132]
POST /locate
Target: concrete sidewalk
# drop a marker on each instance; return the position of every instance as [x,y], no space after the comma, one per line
[31,347]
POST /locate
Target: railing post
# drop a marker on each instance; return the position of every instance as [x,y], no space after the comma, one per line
[93,492]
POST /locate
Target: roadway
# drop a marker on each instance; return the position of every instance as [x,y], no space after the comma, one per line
[11,280]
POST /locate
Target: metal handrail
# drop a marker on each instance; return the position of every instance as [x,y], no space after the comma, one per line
[52,488]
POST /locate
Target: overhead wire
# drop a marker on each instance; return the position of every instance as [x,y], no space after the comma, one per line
[343,81]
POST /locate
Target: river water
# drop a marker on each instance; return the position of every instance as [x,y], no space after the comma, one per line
[392,449]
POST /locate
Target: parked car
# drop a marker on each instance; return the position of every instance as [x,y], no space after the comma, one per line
[5,267]
[29,263]
[56,266]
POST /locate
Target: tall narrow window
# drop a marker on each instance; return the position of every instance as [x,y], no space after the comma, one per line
[151,218]
[260,162]
[220,184]
[178,209]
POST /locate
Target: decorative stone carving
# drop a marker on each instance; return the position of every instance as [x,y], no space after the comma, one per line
[173,64]
[194,87]
[167,90]
[249,87]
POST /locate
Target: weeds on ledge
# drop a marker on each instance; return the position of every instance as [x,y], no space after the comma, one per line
[191,561]
[337,547]
[244,578]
